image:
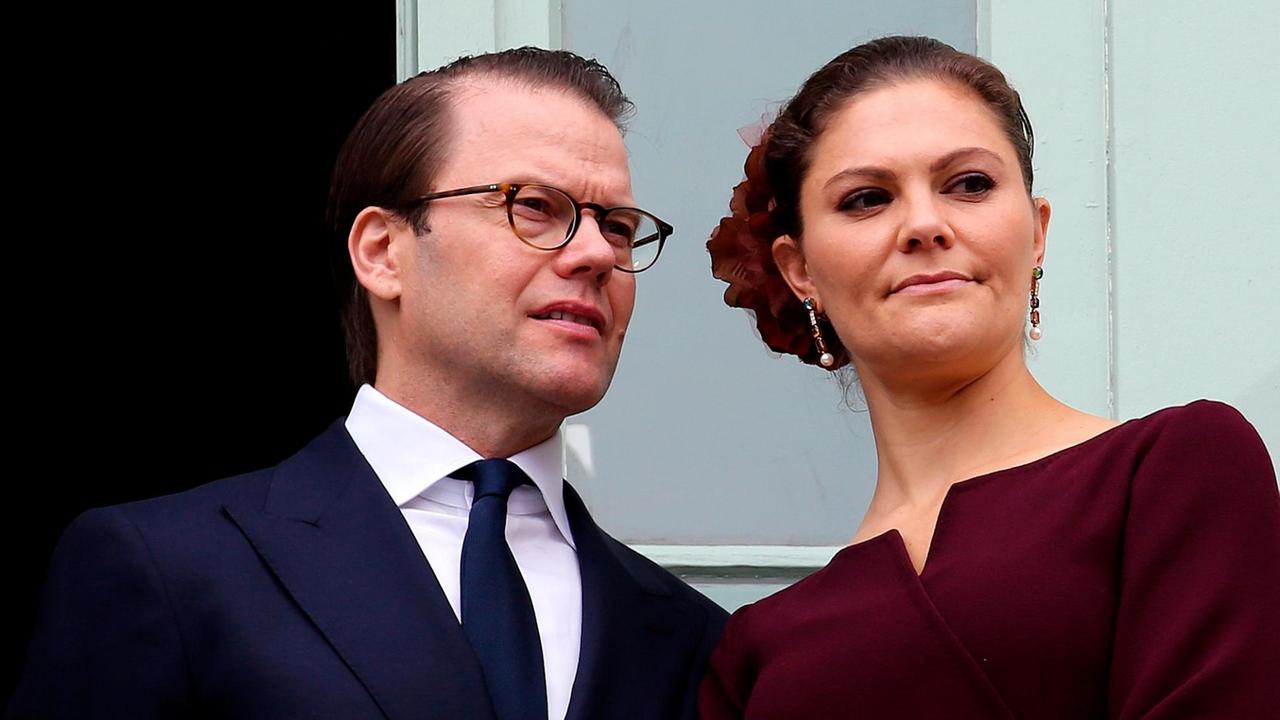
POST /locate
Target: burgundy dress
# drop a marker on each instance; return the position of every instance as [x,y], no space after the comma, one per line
[1136,575]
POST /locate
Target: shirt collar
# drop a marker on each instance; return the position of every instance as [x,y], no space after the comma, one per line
[411,454]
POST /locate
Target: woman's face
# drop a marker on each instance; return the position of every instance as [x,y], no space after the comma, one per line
[919,238]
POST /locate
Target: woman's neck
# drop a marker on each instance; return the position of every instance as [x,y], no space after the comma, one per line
[933,432]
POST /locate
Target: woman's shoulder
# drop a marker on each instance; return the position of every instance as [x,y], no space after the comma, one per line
[1197,428]
[1206,414]
[1203,427]
[1203,448]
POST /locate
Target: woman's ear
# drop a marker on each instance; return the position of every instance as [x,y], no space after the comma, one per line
[790,261]
[1043,211]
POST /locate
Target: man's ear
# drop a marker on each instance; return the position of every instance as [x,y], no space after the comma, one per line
[371,248]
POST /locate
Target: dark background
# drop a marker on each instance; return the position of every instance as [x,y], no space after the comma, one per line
[173,317]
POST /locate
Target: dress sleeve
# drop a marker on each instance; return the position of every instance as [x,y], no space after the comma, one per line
[106,644]
[727,685]
[1197,628]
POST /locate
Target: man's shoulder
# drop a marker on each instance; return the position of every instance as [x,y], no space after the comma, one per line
[168,523]
[657,580]
[246,490]
[652,578]
[190,510]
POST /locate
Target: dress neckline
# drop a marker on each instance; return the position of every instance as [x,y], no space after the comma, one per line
[894,535]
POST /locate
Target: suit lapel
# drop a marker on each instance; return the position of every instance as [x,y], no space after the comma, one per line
[637,638]
[342,550]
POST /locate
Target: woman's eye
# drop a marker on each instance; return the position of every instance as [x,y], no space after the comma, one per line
[971,184]
[864,200]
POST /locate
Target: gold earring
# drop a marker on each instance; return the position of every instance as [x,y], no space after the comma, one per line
[1036,274]
[825,359]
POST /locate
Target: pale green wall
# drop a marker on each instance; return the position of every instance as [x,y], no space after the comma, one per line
[1156,143]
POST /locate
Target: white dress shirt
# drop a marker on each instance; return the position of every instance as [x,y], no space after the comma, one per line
[413,457]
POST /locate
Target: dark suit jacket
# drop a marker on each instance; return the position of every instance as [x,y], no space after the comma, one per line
[300,592]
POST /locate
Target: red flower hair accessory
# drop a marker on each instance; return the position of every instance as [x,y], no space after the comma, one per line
[741,248]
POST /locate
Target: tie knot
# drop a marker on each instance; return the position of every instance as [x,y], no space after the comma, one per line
[497,476]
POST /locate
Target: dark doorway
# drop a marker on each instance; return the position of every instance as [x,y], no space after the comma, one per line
[172,318]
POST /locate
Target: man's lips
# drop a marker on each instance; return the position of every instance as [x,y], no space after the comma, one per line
[571,314]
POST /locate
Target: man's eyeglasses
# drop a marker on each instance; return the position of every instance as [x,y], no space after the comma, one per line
[546,218]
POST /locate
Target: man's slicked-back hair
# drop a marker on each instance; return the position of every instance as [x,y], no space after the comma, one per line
[396,149]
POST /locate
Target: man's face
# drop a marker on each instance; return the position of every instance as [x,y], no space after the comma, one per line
[491,317]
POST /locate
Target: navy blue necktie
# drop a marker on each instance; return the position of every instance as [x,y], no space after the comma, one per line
[497,614]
